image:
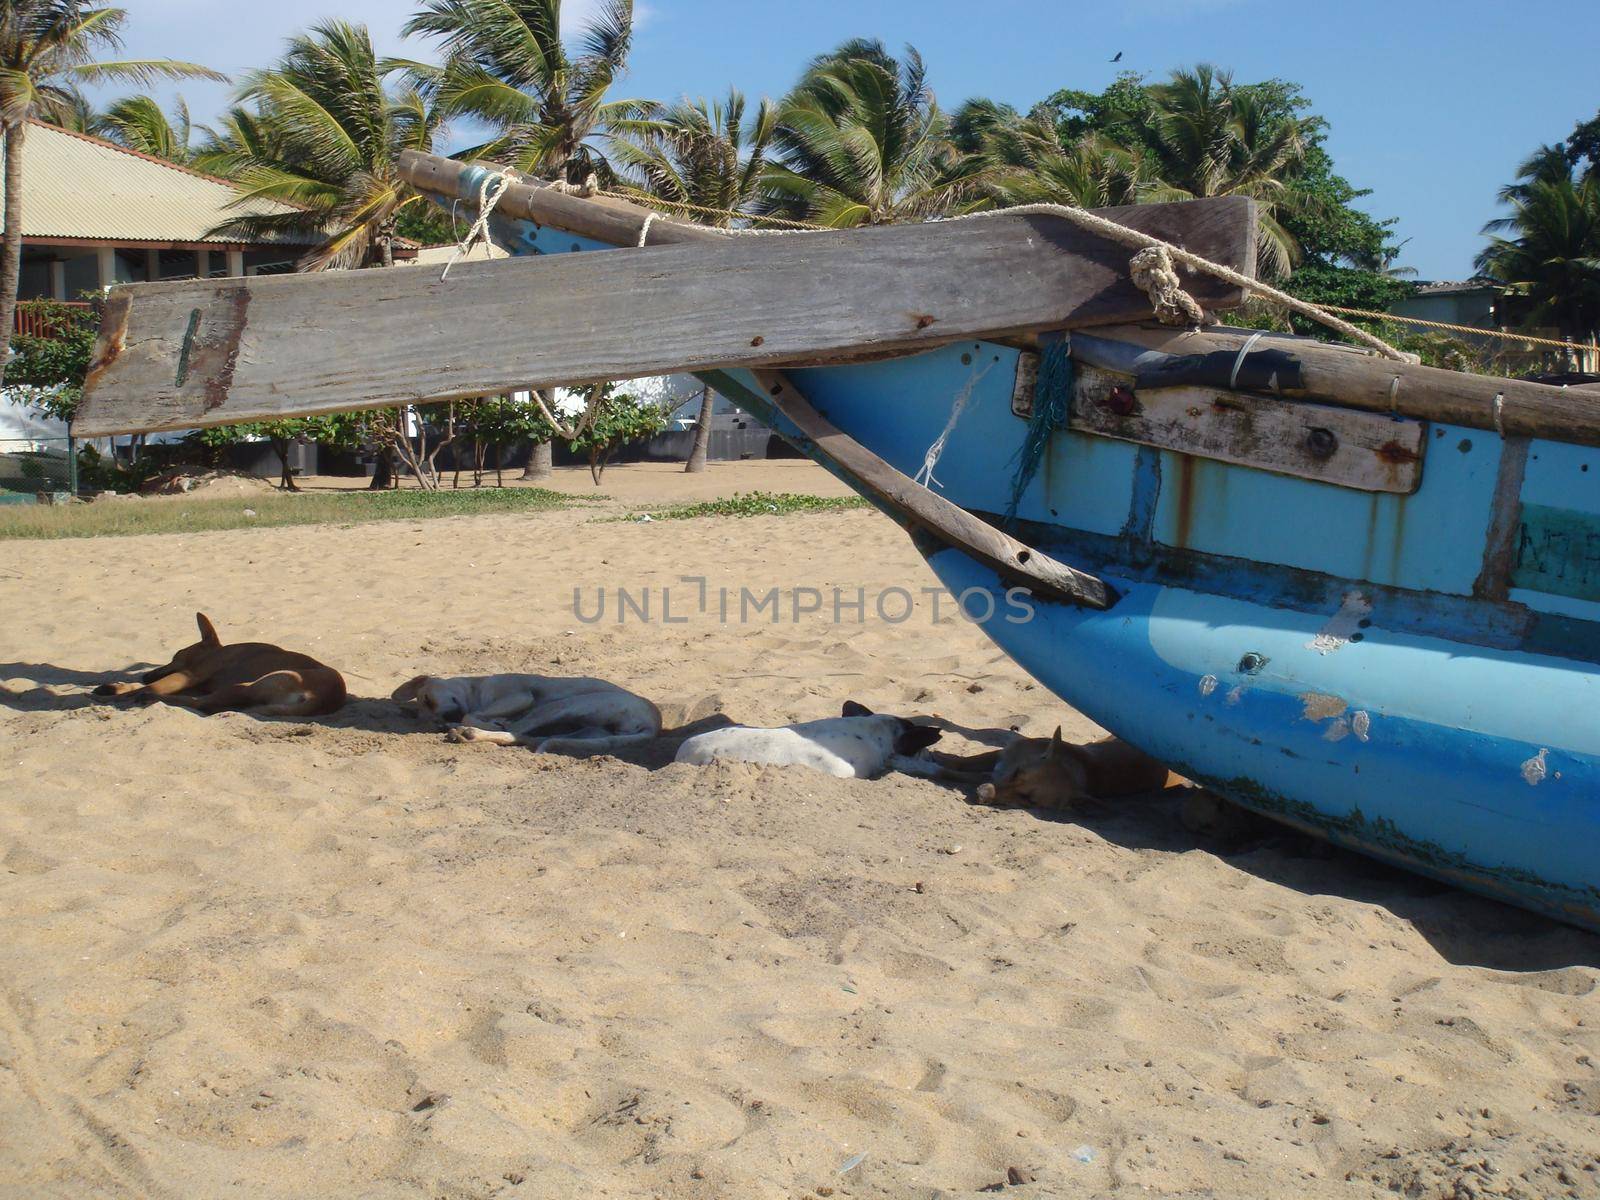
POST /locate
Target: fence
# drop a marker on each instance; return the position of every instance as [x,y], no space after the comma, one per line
[36,467]
[51,318]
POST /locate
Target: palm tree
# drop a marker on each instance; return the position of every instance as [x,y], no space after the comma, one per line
[78,114]
[1547,164]
[324,139]
[138,123]
[1210,138]
[1022,160]
[1385,261]
[700,153]
[1554,255]
[861,141]
[506,64]
[242,138]
[48,48]
[706,156]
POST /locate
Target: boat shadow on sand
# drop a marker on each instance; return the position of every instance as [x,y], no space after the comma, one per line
[1465,929]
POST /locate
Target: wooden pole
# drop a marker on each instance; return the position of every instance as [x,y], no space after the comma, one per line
[920,508]
[1303,369]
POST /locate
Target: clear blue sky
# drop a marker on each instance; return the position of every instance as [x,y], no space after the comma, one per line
[1432,103]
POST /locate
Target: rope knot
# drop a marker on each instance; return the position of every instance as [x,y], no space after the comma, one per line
[1154,274]
[588,188]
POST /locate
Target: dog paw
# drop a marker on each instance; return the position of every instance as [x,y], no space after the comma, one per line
[461,733]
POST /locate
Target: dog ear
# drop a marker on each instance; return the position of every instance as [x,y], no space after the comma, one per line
[407,691]
[1058,748]
[852,709]
[918,737]
[208,631]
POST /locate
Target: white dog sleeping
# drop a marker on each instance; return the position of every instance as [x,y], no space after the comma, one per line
[858,745]
[547,714]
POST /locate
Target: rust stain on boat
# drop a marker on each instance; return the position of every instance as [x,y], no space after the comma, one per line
[113,337]
[216,356]
[1185,520]
[1393,453]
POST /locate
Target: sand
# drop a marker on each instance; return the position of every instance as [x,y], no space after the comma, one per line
[345,958]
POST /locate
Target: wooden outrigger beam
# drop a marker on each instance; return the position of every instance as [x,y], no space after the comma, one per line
[213,352]
[922,509]
[1303,369]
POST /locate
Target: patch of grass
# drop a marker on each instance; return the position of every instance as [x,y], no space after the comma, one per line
[755,504]
[124,518]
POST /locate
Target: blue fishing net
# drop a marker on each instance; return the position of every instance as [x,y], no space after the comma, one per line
[1052,401]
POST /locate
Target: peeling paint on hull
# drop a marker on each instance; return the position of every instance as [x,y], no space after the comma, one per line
[1372,683]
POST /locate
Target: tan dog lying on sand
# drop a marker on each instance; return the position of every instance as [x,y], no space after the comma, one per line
[1052,773]
[1035,773]
[547,714]
[251,677]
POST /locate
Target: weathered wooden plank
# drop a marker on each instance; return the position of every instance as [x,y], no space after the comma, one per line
[183,355]
[1359,450]
[1298,368]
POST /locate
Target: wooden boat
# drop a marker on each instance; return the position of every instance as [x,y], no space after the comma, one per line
[1358,596]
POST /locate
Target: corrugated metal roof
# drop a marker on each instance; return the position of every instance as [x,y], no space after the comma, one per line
[1442,287]
[75,186]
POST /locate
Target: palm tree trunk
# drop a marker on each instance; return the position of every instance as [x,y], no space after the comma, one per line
[702,434]
[540,462]
[11,245]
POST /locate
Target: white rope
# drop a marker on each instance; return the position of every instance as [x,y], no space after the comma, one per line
[494,186]
[936,451]
[644,230]
[1249,344]
[1134,238]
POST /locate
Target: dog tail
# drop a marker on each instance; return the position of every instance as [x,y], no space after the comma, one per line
[590,746]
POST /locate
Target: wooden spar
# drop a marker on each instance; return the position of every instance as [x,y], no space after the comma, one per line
[1302,369]
[611,222]
[922,509]
[213,352]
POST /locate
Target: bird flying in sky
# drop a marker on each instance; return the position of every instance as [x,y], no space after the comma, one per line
[1118,58]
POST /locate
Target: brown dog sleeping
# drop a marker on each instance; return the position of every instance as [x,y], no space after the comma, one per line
[251,677]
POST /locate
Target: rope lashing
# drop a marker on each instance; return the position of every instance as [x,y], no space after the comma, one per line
[490,191]
[1133,238]
[1154,274]
[1052,402]
[936,451]
[588,188]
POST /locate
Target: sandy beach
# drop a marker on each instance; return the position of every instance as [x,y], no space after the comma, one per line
[344,958]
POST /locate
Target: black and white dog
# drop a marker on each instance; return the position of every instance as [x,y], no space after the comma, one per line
[860,744]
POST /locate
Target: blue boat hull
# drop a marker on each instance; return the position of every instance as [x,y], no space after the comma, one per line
[1320,655]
